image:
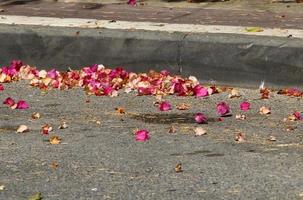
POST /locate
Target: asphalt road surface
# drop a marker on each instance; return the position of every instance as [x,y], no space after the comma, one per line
[98,157]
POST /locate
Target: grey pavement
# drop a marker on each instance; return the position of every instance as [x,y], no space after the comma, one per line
[103,161]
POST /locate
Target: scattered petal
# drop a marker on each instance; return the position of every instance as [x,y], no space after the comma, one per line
[245,106]
[178,168]
[172,129]
[223,108]
[200,118]
[264,110]
[132,2]
[36,115]
[297,115]
[241,116]
[183,106]
[200,91]
[2,187]
[240,137]
[22,129]
[234,93]
[54,140]
[46,129]
[63,125]
[9,101]
[142,135]
[22,105]
[200,131]
[272,138]
[1,87]
[165,106]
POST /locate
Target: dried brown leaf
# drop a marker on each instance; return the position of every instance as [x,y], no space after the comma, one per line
[183,106]
[55,140]
[178,168]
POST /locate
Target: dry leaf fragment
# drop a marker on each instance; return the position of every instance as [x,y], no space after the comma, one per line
[200,131]
[178,168]
[63,125]
[240,137]
[272,138]
[36,115]
[234,94]
[54,140]
[290,128]
[22,129]
[37,196]
[264,110]
[183,106]
[120,110]
[265,93]
[241,116]
[172,129]
[54,165]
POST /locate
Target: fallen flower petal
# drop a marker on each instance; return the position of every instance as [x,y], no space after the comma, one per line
[54,140]
[22,105]
[63,125]
[264,110]
[9,101]
[142,135]
[297,115]
[240,137]
[172,129]
[199,131]
[132,2]
[200,118]
[245,106]
[200,91]
[265,93]
[241,116]
[223,108]
[36,115]
[165,106]
[1,87]
[234,94]
[22,129]
[46,129]
[271,138]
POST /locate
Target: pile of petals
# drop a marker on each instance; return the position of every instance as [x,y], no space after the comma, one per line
[101,81]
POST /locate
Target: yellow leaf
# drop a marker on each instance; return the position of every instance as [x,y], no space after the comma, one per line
[254,29]
[55,140]
[37,196]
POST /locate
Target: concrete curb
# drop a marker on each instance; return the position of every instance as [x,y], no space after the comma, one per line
[232,59]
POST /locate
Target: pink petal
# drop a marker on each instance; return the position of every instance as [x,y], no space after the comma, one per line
[200,91]
[22,105]
[245,106]
[200,118]
[52,74]
[165,106]
[164,72]
[16,64]
[132,2]
[9,101]
[222,108]
[298,115]
[1,87]
[142,135]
